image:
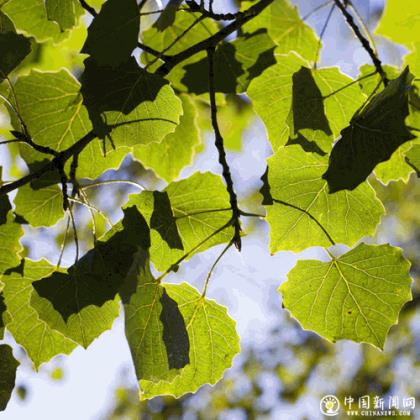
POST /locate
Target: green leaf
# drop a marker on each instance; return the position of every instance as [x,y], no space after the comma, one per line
[98,157]
[30,18]
[413,59]
[10,247]
[357,296]
[396,168]
[139,107]
[40,204]
[13,49]
[113,33]
[213,344]
[155,329]
[413,158]
[185,217]
[8,366]
[39,340]
[304,214]
[65,12]
[83,302]
[400,24]
[286,28]
[373,135]
[176,150]
[51,106]
[235,64]
[272,96]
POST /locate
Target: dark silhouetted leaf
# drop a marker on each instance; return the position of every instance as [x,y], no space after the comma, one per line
[8,366]
[13,49]
[235,64]
[83,302]
[373,135]
[113,34]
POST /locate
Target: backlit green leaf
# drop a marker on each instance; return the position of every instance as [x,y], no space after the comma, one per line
[213,344]
[357,296]
[304,214]
[39,340]
[176,150]
[50,103]
[30,18]
[139,107]
[189,216]
[400,24]
[286,28]
[10,247]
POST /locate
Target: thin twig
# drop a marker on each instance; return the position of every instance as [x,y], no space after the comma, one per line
[76,238]
[112,181]
[63,244]
[363,40]
[222,154]
[321,35]
[321,6]
[214,266]
[175,265]
[350,84]
[177,39]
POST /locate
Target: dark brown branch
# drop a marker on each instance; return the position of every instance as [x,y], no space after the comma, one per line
[88,8]
[52,165]
[363,40]
[152,51]
[195,7]
[222,155]
[212,41]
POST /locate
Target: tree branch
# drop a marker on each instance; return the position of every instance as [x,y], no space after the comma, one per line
[88,8]
[212,41]
[52,165]
[222,155]
[195,7]
[363,40]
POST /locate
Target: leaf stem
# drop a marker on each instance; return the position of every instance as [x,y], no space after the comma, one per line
[209,275]
[175,265]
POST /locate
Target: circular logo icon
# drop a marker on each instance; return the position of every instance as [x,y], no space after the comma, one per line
[329,405]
